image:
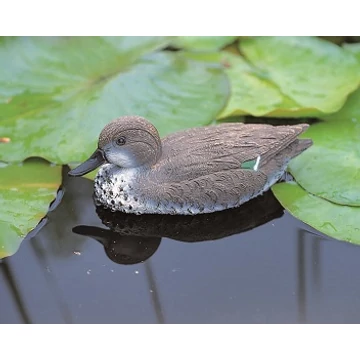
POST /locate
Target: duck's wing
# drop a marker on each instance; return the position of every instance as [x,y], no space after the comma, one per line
[198,152]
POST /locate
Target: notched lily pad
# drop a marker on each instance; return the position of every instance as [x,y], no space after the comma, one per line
[337,221]
[26,192]
[252,93]
[316,74]
[331,167]
[58,94]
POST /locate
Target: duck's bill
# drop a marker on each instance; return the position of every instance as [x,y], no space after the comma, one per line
[94,161]
[104,236]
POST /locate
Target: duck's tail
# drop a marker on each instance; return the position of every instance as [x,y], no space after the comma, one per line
[274,169]
[297,147]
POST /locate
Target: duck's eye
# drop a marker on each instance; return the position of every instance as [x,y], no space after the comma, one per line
[121,140]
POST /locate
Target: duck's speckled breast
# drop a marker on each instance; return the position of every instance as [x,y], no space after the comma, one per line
[114,189]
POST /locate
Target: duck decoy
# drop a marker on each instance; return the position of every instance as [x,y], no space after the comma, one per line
[194,171]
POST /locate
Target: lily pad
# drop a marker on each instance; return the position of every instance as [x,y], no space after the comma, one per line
[331,167]
[57,94]
[337,221]
[202,43]
[252,93]
[314,73]
[354,49]
[26,192]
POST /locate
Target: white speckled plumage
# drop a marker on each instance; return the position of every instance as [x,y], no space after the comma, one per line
[199,170]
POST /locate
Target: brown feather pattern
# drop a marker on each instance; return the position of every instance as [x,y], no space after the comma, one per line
[198,170]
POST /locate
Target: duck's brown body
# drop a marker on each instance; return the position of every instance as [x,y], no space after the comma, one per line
[199,170]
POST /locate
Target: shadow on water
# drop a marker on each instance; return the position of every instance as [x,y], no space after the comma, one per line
[253,264]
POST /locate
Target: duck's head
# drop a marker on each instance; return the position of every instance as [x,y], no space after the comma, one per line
[128,142]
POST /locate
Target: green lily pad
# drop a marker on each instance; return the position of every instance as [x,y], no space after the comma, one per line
[26,192]
[57,94]
[252,93]
[331,167]
[337,221]
[202,43]
[316,74]
[354,49]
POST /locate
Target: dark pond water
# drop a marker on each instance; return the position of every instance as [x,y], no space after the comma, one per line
[255,264]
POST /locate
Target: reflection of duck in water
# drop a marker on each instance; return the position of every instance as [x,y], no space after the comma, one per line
[196,171]
[133,238]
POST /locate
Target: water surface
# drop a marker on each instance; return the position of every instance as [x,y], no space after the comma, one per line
[251,265]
